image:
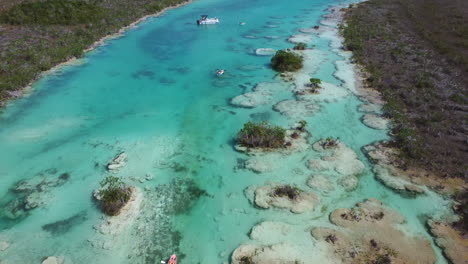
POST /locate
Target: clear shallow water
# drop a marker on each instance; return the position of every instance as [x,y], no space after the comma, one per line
[152,93]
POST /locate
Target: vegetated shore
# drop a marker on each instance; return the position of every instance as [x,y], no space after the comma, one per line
[415,53]
[30,48]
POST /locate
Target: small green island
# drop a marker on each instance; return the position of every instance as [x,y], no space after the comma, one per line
[261,135]
[113,195]
[286,61]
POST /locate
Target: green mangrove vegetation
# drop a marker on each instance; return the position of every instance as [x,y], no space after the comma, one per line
[114,194]
[286,61]
[53,12]
[261,135]
[300,46]
[416,54]
[41,34]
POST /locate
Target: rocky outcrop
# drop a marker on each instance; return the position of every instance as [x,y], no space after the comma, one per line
[261,94]
[266,254]
[338,158]
[117,162]
[371,235]
[386,171]
[54,260]
[375,121]
[389,170]
[301,201]
[455,246]
[296,109]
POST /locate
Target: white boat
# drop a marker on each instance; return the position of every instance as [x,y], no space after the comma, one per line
[207,21]
[220,72]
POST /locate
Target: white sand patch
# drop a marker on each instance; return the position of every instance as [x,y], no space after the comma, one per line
[370,108]
[270,232]
[345,73]
[301,38]
[376,122]
[265,52]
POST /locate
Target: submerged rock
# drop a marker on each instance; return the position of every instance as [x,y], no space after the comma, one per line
[376,122]
[261,94]
[251,100]
[295,109]
[65,225]
[54,260]
[260,165]
[4,245]
[349,182]
[267,196]
[321,183]
[117,162]
[371,234]
[265,52]
[270,232]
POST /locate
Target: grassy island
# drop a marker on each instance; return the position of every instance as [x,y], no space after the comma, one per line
[286,61]
[261,135]
[113,195]
[37,35]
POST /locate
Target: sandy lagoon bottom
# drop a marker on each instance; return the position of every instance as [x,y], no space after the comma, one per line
[153,95]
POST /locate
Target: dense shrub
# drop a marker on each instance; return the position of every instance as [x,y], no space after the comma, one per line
[300,46]
[286,191]
[261,135]
[114,194]
[330,142]
[53,12]
[286,61]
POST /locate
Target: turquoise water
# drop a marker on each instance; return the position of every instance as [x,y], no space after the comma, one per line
[152,93]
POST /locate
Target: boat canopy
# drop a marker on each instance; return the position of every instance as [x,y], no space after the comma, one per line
[204,16]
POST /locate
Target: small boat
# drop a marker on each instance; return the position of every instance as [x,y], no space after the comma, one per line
[206,21]
[242,23]
[173,259]
[219,72]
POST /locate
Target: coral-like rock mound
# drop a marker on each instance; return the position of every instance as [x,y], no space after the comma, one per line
[371,235]
[294,199]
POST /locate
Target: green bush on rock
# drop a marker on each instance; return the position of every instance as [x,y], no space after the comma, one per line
[286,61]
[114,194]
[300,46]
[261,135]
[286,191]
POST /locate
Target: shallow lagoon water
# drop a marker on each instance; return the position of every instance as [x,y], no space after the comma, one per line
[152,93]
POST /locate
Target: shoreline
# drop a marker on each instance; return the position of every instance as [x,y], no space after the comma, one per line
[372,96]
[446,233]
[26,90]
